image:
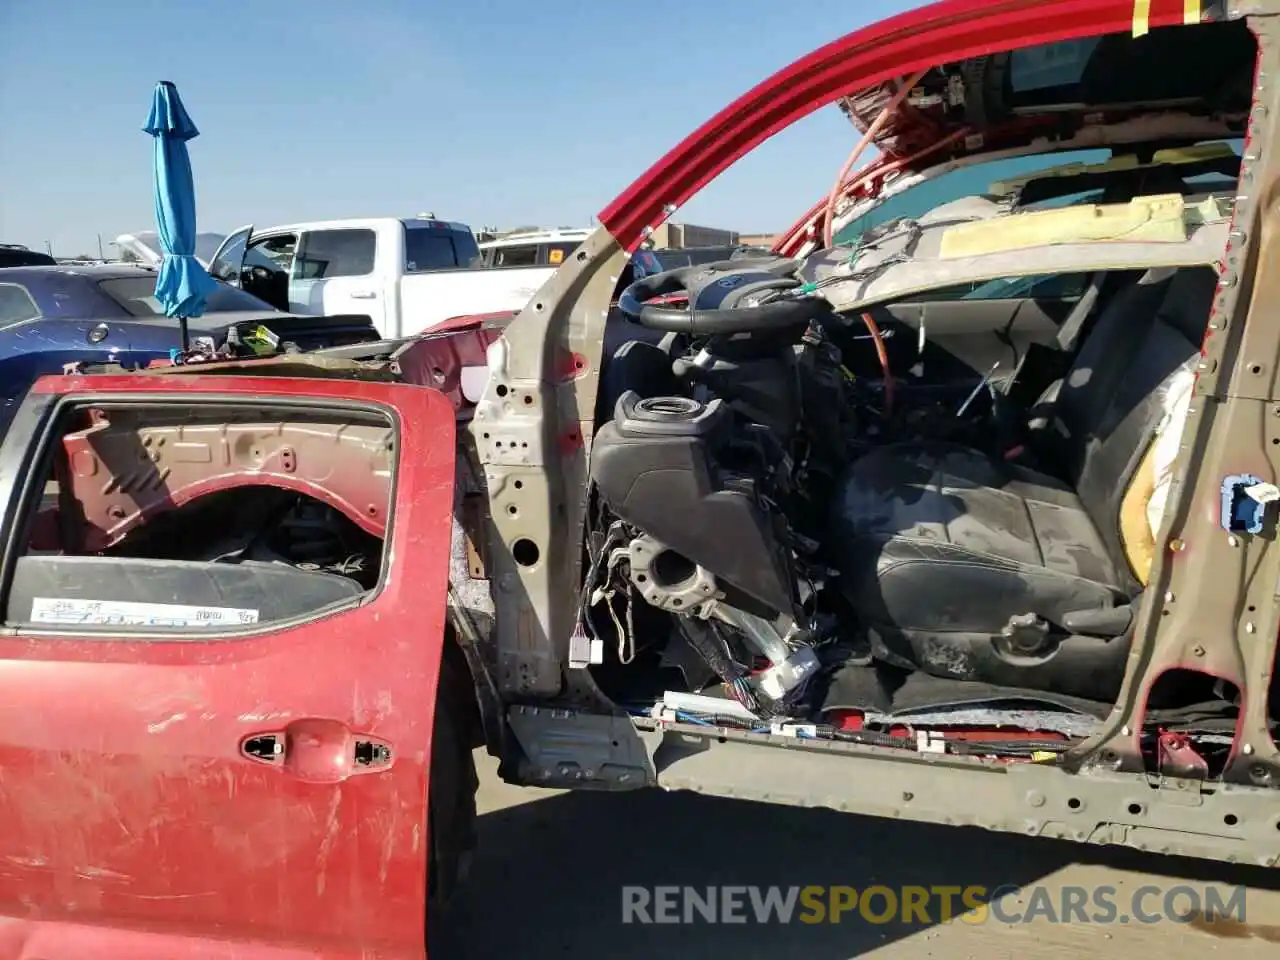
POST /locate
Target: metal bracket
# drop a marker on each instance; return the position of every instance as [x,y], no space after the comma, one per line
[564,748]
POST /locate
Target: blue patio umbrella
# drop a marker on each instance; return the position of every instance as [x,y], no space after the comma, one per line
[183,284]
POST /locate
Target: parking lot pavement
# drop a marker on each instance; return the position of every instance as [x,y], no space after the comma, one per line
[549,876]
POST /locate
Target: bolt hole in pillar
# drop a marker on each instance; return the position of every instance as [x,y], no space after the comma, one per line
[1169,752]
[525,552]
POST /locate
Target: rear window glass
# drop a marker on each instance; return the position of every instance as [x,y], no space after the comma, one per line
[336,253]
[16,304]
[13,257]
[519,255]
[137,295]
[431,248]
[557,252]
[468,250]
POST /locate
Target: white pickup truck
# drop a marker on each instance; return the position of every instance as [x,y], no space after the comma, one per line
[406,274]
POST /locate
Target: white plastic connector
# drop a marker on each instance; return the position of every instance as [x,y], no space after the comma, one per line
[697,703]
[781,728]
[927,742]
[780,679]
[1263,492]
[583,650]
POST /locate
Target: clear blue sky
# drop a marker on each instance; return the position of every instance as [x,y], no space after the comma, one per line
[496,111]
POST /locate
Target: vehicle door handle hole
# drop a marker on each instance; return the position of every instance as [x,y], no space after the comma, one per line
[268,748]
[369,754]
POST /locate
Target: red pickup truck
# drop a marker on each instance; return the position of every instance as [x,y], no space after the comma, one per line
[959,511]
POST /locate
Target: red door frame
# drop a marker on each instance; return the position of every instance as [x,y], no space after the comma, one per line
[925,37]
[134,827]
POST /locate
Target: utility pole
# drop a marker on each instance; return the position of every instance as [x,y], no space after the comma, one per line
[100,256]
[48,248]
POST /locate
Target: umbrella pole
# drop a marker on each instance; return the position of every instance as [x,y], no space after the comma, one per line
[182,333]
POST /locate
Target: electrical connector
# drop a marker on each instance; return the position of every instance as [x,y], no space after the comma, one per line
[782,728]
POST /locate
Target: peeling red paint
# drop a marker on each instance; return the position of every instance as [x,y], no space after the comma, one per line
[570,442]
[570,366]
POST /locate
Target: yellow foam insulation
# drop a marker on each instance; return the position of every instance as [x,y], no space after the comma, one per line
[1191,154]
[1157,219]
[1135,529]
[1162,158]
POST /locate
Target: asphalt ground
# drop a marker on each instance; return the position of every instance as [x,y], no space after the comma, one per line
[552,872]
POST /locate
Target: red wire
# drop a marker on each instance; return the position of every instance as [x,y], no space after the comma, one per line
[828,217]
[883,354]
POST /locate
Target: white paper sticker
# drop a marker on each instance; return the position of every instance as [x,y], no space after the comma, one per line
[129,613]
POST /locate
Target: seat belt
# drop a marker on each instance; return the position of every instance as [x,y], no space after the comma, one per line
[1069,332]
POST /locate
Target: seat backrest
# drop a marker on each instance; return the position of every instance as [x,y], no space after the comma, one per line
[1111,401]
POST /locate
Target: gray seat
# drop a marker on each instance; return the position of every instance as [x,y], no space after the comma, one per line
[971,567]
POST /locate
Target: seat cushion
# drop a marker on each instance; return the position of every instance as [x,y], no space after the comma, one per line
[939,546]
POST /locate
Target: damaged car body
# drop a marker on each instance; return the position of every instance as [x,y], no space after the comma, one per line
[892,507]
[964,515]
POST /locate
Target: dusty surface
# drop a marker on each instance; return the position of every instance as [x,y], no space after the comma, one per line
[548,879]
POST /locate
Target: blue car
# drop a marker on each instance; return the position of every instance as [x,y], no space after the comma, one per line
[55,315]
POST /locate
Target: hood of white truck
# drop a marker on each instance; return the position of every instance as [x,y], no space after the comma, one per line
[145,245]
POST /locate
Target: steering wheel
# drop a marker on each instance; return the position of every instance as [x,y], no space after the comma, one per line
[729,296]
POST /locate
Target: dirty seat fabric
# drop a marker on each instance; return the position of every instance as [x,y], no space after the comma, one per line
[942,543]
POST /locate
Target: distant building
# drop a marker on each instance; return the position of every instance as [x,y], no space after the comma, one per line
[757,239]
[486,234]
[674,236]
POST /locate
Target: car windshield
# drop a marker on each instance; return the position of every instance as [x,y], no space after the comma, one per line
[656,261]
[137,295]
[977,180]
[970,181]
